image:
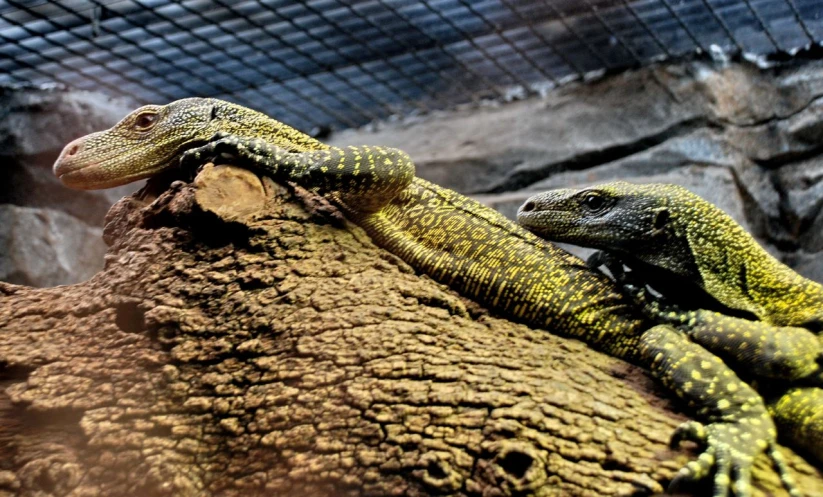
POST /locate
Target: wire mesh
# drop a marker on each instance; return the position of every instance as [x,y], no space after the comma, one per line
[342,63]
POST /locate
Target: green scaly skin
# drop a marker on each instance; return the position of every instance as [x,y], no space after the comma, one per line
[457,241]
[669,229]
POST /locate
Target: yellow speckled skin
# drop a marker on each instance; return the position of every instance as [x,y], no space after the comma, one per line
[668,227]
[456,241]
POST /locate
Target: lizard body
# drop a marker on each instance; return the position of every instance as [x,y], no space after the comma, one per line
[671,229]
[456,241]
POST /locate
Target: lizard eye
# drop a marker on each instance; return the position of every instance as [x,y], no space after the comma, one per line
[593,202]
[145,121]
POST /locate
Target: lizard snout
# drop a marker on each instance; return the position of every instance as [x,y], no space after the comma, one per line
[64,163]
[71,161]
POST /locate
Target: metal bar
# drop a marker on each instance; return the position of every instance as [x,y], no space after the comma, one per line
[316,59]
[682,24]
[319,63]
[562,18]
[413,51]
[172,83]
[595,10]
[647,28]
[243,84]
[552,46]
[221,90]
[762,24]
[458,62]
[385,59]
[303,74]
[470,40]
[502,34]
[723,25]
[115,89]
[307,76]
[799,19]
[68,68]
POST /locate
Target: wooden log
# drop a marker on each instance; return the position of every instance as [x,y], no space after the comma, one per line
[240,343]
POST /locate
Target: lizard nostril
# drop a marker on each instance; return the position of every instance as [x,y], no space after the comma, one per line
[74,150]
[528,207]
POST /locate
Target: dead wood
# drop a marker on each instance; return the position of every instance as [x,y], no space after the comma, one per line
[240,343]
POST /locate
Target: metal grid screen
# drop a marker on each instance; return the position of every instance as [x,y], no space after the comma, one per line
[343,63]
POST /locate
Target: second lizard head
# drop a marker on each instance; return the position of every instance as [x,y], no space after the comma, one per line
[614,216]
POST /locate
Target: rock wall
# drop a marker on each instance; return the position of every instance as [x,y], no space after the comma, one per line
[746,139]
[50,235]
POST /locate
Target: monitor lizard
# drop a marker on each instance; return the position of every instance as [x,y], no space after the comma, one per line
[666,233]
[456,241]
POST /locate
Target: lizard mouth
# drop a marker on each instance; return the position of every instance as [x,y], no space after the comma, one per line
[74,173]
[93,177]
[541,214]
[545,222]
[67,167]
[97,178]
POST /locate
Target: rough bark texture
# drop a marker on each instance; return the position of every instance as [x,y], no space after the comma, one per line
[239,343]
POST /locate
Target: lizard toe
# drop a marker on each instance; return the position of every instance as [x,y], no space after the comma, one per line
[693,471]
[692,431]
[722,473]
[783,470]
[741,480]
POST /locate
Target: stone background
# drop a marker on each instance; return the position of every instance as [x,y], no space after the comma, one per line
[50,235]
[747,139]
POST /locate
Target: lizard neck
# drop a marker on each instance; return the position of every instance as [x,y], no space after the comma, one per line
[241,121]
[741,274]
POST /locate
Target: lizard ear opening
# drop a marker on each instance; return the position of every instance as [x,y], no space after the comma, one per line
[661,219]
[815,325]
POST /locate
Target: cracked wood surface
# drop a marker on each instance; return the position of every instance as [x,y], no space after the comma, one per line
[244,340]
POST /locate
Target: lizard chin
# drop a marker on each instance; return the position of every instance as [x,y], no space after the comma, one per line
[94,177]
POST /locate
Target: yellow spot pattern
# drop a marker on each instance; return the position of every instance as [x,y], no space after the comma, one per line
[453,239]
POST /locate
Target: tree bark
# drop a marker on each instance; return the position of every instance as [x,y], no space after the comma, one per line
[243,339]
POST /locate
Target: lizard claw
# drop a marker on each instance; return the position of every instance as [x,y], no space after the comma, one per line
[783,470]
[198,155]
[730,449]
[692,431]
[611,262]
[717,455]
[222,143]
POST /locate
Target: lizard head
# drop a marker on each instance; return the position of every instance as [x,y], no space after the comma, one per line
[615,216]
[150,139]
[142,144]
